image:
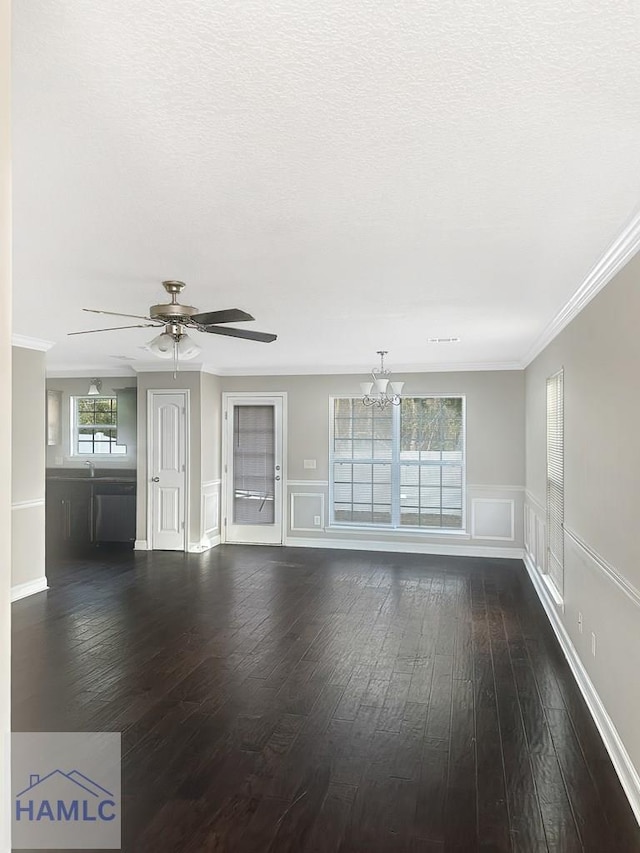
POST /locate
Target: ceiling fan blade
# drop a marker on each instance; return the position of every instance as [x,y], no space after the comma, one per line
[116,314]
[262,337]
[230,315]
[115,328]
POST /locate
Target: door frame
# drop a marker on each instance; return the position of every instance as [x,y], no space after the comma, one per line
[187,455]
[226,422]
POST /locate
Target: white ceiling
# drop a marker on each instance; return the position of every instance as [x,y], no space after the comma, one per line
[356,175]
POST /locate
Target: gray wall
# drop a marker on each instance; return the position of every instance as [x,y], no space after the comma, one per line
[495,444]
[211,418]
[28,466]
[5,414]
[60,454]
[600,353]
[495,416]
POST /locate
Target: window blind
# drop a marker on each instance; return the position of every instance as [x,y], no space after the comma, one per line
[253,464]
[555,479]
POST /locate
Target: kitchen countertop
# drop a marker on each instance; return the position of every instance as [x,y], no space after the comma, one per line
[79,475]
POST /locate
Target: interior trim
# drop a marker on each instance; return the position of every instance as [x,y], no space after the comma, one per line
[606,568]
[28,504]
[25,342]
[23,590]
[625,245]
[628,775]
[443,550]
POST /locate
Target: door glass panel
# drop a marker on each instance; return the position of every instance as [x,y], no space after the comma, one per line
[254,435]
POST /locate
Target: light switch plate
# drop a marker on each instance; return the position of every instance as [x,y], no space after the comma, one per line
[309,463]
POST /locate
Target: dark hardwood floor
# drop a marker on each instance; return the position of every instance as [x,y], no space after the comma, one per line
[290,701]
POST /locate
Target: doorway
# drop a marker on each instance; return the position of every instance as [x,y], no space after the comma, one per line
[253,451]
[168,413]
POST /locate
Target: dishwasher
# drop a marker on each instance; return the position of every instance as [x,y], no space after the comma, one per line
[114,513]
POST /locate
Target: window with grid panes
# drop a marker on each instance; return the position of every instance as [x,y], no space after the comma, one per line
[95,426]
[402,467]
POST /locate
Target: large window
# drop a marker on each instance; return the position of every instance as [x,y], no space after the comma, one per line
[401,467]
[95,423]
[555,479]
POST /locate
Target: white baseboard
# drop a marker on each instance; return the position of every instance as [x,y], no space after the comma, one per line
[627,773]
[22,590]
[205,544]
[141,545]
[444,550]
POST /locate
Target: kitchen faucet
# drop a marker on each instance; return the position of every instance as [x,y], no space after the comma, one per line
[92,467]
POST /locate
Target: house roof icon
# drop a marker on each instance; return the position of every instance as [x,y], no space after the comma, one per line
[73,778]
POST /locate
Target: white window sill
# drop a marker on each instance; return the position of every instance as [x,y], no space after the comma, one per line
[399,531]
[553,591]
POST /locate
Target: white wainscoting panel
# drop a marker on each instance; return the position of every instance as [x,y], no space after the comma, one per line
[493,518]
[305,508]
[210,514]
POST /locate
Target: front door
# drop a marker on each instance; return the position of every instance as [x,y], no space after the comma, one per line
[167,464]
[253,469]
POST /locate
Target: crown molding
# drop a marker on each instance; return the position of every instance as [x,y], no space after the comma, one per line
[70,372]
[350,370]
[25,342]
[166,366]
[620,251]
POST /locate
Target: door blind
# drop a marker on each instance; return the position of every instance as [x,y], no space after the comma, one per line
[253,464]
[555,479]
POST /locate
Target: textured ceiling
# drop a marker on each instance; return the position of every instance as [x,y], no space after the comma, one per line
[356,175]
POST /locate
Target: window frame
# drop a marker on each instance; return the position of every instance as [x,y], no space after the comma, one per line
[74,428]
[396,464]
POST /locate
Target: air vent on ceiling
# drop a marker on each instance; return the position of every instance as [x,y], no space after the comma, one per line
[443,340]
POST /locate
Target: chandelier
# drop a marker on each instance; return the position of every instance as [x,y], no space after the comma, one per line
[376,393]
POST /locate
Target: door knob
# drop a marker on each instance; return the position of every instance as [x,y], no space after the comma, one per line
[277,476]
[155,479]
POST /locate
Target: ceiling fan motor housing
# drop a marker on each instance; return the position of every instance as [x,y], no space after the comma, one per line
[172,310]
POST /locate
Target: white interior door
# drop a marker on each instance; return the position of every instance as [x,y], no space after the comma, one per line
[254,452]
[167,469]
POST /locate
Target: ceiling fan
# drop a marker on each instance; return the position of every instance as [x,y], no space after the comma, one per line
[174,342]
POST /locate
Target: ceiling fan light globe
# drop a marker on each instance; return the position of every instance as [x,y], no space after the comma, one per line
[162,346]
[187,348]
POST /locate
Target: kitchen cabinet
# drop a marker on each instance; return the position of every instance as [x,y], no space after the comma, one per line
[54,418]
[82,512]
[68,514]
[127,418]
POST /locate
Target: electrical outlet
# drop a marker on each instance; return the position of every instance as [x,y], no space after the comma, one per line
[310,463]
[59,460]
[593,644]
[316,520]
[580,622]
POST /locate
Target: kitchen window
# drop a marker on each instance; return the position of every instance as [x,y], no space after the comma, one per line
[95,426]
[401,467]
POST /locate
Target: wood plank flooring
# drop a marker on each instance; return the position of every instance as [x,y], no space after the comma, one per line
[279,699]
